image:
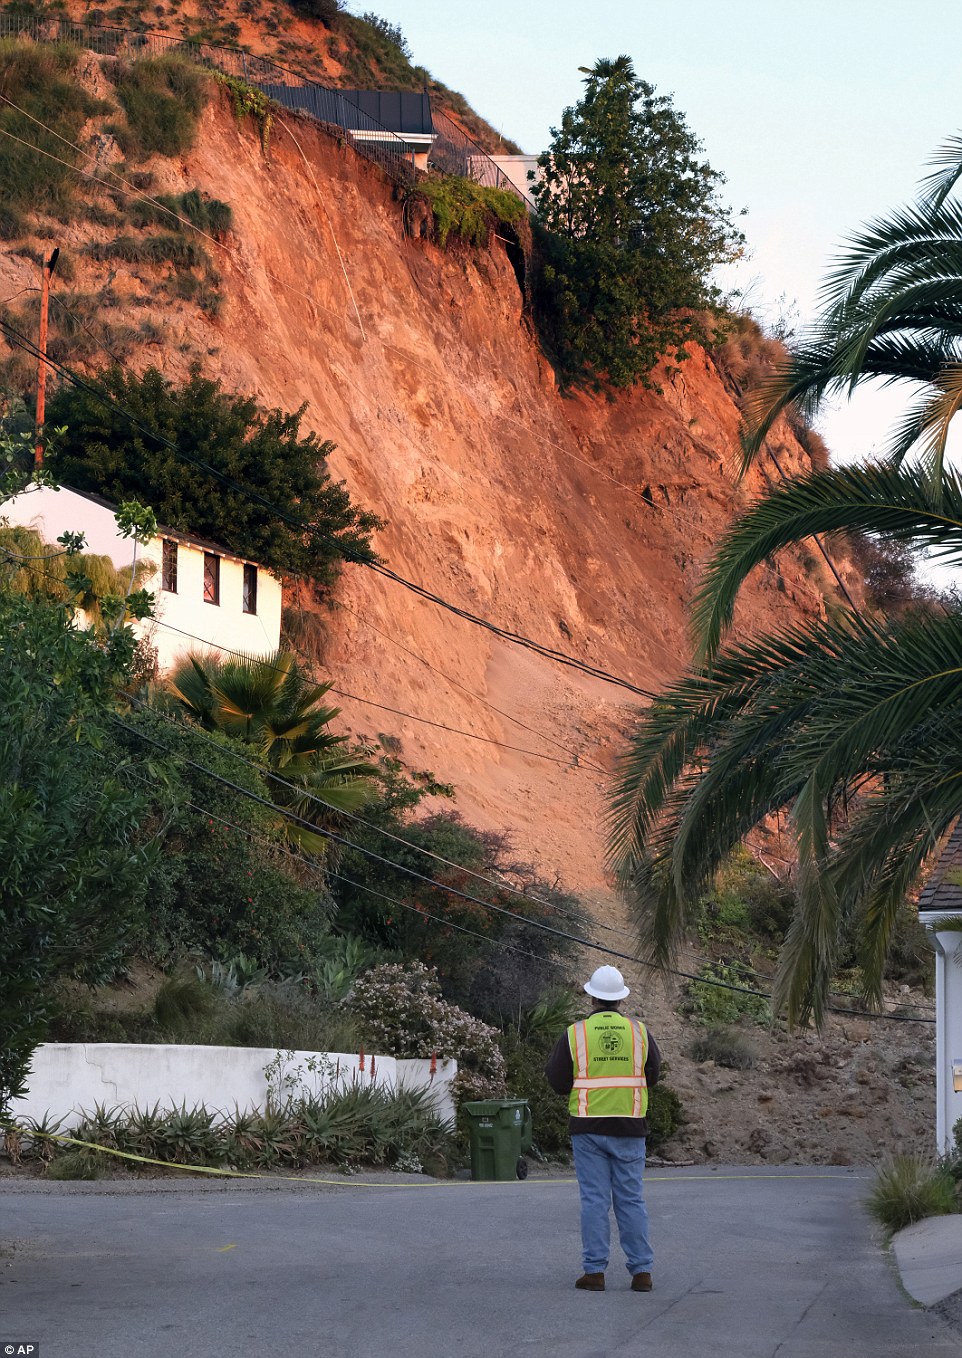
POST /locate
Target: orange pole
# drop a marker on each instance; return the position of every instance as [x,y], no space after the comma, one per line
[46,276]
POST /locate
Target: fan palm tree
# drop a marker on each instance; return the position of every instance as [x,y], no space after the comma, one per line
[857,713]
[271,703]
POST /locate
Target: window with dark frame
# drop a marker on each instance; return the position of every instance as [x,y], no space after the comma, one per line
[250,588]
[168,578]
[211,578]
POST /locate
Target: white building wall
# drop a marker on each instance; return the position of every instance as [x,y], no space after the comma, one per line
[183,621]
[948,1032]
[180,618]
[68,1079]
[522,171]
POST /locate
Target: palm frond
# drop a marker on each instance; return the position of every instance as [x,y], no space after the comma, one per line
[937,186]
[896,503]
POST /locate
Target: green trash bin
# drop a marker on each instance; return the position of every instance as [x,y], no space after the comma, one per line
[500,1131]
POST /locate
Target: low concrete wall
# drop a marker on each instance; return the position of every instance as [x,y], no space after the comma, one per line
[69,1078]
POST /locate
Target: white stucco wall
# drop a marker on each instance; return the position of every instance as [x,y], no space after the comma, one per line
[948,1032]
[181,617]
[515,169]
[70,1078]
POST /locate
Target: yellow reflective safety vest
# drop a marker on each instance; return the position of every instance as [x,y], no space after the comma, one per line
[608,1054]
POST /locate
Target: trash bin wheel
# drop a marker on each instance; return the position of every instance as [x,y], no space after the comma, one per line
[522,1167]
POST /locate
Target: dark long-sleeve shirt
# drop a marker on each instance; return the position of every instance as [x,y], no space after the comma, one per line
[560,1075]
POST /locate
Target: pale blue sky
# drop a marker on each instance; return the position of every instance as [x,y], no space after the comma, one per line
[821,113]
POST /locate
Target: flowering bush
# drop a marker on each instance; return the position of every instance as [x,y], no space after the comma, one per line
[401,1012]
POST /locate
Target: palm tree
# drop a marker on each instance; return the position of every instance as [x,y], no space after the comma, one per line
[270,703]
[893,313]
[852,724]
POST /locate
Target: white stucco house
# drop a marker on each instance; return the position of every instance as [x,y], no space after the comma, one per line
[522,172]
[940,910]
[204,595]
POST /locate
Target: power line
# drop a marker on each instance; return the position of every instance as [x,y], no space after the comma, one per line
[369,702]
[311,797]
[399,839]
[456,683]
[383,896]
[393,900]
[293,818]
[377,829]
[350,554]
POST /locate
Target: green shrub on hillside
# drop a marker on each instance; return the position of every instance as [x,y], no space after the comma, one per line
[466,209]
[429,922]
[209,215]
[163,98]
[524,1060]
[376,52]
[215,890]
[713,1006]
[281,1014]
[724,1047]
[167,248]
[39,80]
[666,1114]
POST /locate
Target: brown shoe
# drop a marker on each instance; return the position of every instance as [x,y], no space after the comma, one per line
[641,1282]
[591,1282]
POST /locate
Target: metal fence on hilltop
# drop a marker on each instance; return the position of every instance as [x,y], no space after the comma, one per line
[452,152]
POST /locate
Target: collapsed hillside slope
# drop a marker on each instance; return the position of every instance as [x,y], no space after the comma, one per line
[578,521]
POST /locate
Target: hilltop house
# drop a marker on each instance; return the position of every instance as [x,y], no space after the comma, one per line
[399,120]
[940,910]
[404,113]
[204,595]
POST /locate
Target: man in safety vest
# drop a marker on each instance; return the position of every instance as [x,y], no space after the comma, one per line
[606,1065]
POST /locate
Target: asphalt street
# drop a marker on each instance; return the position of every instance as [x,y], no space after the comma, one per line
[751,1264]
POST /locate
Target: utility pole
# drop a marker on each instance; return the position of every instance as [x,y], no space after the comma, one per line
[45,278]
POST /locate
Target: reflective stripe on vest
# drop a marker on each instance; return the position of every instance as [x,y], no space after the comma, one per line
[608,1053]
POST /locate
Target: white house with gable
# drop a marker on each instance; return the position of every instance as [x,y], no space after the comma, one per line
[204,595]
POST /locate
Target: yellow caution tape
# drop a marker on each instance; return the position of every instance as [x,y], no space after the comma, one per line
[348,1183]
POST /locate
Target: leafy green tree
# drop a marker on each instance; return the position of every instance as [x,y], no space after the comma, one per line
[224,883]
[73,844]
[271,703]
[633,227]
[488,962]
[268,477]
[852,724]
[85,580]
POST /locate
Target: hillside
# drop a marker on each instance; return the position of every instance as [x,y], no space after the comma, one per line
[579,521]
[316,38]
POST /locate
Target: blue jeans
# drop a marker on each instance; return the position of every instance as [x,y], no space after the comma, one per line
[609,1170]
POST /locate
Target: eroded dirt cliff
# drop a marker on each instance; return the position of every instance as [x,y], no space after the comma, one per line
[578,521]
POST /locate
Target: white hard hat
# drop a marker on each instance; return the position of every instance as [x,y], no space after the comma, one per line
[607,983]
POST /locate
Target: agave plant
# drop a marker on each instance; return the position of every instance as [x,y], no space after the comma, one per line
[271,703]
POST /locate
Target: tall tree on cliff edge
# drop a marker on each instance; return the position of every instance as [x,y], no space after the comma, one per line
[633,227]
[853,724]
